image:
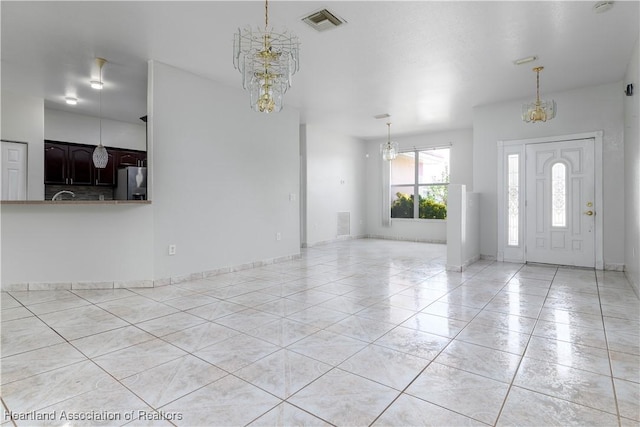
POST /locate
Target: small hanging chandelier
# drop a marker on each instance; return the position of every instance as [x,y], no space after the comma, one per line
[100,155]
[539,110]
[389,149]
[267,62]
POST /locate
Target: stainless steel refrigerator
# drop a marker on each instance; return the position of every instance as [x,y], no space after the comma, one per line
[132,183]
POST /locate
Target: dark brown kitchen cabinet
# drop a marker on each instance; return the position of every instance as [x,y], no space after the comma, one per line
[81,169]
[72,164]
[107,176]
[68,164]
[131,158]
[56,163]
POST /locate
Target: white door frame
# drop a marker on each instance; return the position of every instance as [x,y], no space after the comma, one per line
[516,252]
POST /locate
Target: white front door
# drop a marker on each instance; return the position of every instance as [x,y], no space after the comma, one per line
[14,171]
[560,205]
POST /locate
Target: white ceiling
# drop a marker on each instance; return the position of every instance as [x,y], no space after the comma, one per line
[425,63]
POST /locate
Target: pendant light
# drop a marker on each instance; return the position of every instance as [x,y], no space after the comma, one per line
[538,110]
[100,155]
[267,61]
[389,149]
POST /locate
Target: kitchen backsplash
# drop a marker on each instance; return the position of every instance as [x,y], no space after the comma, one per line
[82,192]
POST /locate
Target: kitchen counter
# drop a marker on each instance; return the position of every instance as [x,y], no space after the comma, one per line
[76,202]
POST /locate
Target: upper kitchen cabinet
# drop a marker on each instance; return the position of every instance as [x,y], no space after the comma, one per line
[107,176]
[131,158]
[72,164]
[68,164]
[81,169]
[56,163]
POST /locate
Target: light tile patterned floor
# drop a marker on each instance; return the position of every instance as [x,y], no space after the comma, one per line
[356,333]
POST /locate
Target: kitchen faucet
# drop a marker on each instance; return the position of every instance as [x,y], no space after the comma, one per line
[60,193]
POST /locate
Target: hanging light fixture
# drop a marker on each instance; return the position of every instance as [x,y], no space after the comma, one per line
[100,155]
[389,149]
[267,62]
[539,110]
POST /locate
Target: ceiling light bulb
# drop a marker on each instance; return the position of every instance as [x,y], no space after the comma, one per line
[71,100]
[96,84]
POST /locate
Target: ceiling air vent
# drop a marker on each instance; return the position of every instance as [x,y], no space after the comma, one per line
[323,20]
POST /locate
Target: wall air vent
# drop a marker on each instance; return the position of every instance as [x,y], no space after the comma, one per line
[323,20]
[344,223]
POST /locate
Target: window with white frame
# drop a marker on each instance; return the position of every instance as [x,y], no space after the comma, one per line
[513,199]
[558,195]
[424,173]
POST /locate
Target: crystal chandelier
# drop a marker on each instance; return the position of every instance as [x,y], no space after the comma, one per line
[389,149]
[267,62]
[100,155]
[539,110]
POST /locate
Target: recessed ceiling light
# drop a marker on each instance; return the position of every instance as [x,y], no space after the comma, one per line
[71,100]
[602,6]
[525,60]
[382,116]
[96,84]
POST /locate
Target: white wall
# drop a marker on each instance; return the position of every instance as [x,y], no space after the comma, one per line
[222,176]
[461,172]
[335,177]
[471,248]
[463,221]
[76,243]
[632,173]
[69,127]
[22,120]
[583,110]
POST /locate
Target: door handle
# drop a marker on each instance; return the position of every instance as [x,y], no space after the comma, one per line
[589,213]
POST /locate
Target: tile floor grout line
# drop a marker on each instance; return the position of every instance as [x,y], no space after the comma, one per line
[88,359]
[606,341]
[367,345]
[282,400]
[91,359]
[119,381]
[523,355]
[524,351]
[6,411]
[403,391]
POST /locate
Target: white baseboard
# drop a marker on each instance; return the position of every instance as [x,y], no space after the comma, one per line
[148,283]
[614,267]
[406,239]
[337,239]
[464,266]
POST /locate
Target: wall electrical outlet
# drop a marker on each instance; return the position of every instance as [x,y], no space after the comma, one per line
[278,236]
[172,249]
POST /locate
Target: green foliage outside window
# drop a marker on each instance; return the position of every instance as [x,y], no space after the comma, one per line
[402,207]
